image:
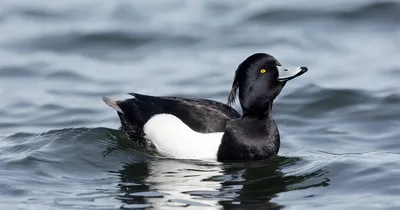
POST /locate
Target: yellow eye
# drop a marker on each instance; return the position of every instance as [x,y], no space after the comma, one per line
[262,71]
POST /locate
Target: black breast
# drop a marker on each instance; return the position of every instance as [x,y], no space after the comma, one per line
[249,139]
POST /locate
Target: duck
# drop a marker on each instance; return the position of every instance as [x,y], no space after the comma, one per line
[204,129]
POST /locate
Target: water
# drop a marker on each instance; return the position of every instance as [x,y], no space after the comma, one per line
[60,147]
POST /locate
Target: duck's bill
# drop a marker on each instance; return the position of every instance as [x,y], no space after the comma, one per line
[288,74]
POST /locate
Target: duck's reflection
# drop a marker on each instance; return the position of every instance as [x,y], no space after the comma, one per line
[253,185]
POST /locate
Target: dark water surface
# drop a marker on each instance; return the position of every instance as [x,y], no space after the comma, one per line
[60,147]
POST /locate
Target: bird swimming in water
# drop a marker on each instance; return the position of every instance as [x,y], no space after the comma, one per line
[192,128]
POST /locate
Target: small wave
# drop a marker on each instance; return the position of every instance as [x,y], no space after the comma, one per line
[93,42]
[67,75]
[8,190]
[331,108]
[377,11]
[337,98]
[33,13]
[19,135]
[48,115]
[319,100]
[97,43]
[17,71]
[55,145]
[84,93]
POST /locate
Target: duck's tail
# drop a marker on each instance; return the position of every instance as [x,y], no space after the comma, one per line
[130,118]
[112,103]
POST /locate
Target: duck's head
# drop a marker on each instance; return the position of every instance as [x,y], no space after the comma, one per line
[259,80]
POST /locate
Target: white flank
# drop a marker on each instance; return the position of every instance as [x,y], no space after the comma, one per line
[175,139]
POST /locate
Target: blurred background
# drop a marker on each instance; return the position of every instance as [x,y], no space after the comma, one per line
[60,147]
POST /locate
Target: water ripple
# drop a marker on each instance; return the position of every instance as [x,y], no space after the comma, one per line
[66,75]
[379,12]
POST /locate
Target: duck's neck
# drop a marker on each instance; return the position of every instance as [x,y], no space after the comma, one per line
[260,113]
[264,116]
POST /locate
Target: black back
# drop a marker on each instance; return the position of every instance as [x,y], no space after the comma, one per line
[201,115]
